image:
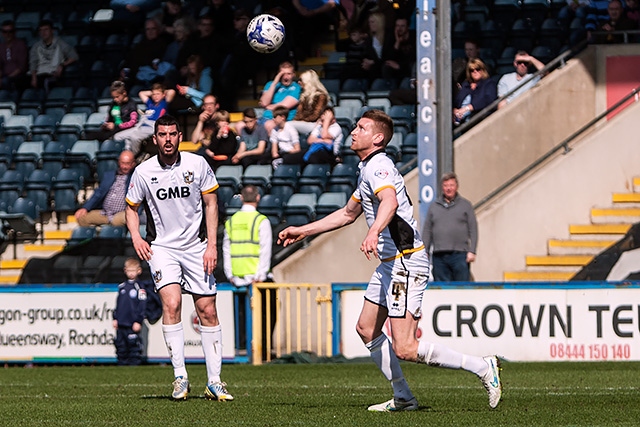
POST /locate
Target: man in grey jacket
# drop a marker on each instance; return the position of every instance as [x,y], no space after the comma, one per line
[451,230]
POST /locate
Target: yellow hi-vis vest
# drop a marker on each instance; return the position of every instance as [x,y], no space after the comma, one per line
[244,236]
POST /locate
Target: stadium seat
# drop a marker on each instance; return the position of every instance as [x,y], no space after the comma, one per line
[230,176]
[300,209]
[343,173]
[535,10]
[314,178]
[410,144]
[258,175]
[329,202]
[492,38]
[505,12]
[27,20]
[25,206]
[551,34]
[112,232]
[68,178]
[271,207]
[37,187]
[225,194]
[286,175]
[82,157]
[27,157]
[18,125]
[31,98]
[106,161]
[283,192]
[234,205]
[394,147]
[59,97]
[403,116]
[43,127]
[522,35]
[6,153]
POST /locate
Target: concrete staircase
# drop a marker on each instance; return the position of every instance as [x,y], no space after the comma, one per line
[565,257]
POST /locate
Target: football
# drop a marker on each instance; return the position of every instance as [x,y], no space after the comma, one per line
[265,33]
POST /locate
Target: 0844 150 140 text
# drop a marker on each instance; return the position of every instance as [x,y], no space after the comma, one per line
[562,351]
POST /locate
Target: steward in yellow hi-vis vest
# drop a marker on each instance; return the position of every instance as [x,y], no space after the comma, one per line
[247,242]
[243,231]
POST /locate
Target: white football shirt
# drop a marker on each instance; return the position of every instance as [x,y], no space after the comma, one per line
[172,196]
[401,236]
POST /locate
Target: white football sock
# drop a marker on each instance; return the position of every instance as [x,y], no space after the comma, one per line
[174,339]
[387,361]
[439,355]
[212,348]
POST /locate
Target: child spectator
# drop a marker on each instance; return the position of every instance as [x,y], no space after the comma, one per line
[156,101]
[253,142]
[122,114]
[355,48]
[285,142]
[222,141]
[129,315]
[325,139]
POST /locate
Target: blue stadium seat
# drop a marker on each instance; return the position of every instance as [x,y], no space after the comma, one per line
[330,202]
[67,178]
[230,176]
[112,232]
[25,206]
[314,178]
[82,157]
[258,175]
[234,205]
[271,206]
[286,175]
[300,209]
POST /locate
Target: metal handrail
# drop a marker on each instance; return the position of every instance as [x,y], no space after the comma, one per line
[558,62]
[562,145]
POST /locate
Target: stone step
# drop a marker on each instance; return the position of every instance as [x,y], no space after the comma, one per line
[577,247]
[625,215]
[636,184]
[557,260]
[625,197]
[537,276]
[591,230]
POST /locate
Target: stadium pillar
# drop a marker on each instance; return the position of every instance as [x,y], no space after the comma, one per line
[433,86]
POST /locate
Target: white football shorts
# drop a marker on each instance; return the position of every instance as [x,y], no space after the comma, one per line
[399,284]
[184,267]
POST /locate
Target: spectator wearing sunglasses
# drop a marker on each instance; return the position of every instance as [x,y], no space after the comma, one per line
[521,62]
[476,92]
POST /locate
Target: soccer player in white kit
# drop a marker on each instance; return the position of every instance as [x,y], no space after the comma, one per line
[396,287]
[178,194]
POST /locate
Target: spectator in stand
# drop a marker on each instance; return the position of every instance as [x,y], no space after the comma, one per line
[171,12]
[241,63]
[252,149]
[282,91]
[451,231]
[403,54]
[131,13]
[285,141]
[181,32]
[459,65]
[222,13]
[122,114]
[198,83]
[313,17]
[355,48]
[573,9]
[107,204]
[48,57]
[379,46]
[13,59]
[633,12]
[151,47]
[597,15]
[313,101]
[510,81]
[618,21]
[325,140]
[223,143]
[210,107]
[201,43]
[156,102]
[477,92]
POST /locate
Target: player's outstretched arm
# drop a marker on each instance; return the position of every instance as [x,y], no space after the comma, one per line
[344,216]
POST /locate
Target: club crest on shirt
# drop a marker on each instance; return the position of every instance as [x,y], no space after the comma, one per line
[381,173]
[154,180]
[157,275]
[188,177]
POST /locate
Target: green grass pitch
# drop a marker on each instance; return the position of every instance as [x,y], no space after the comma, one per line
[535,394]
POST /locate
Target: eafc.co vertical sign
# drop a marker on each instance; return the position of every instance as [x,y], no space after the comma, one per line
[426,86]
